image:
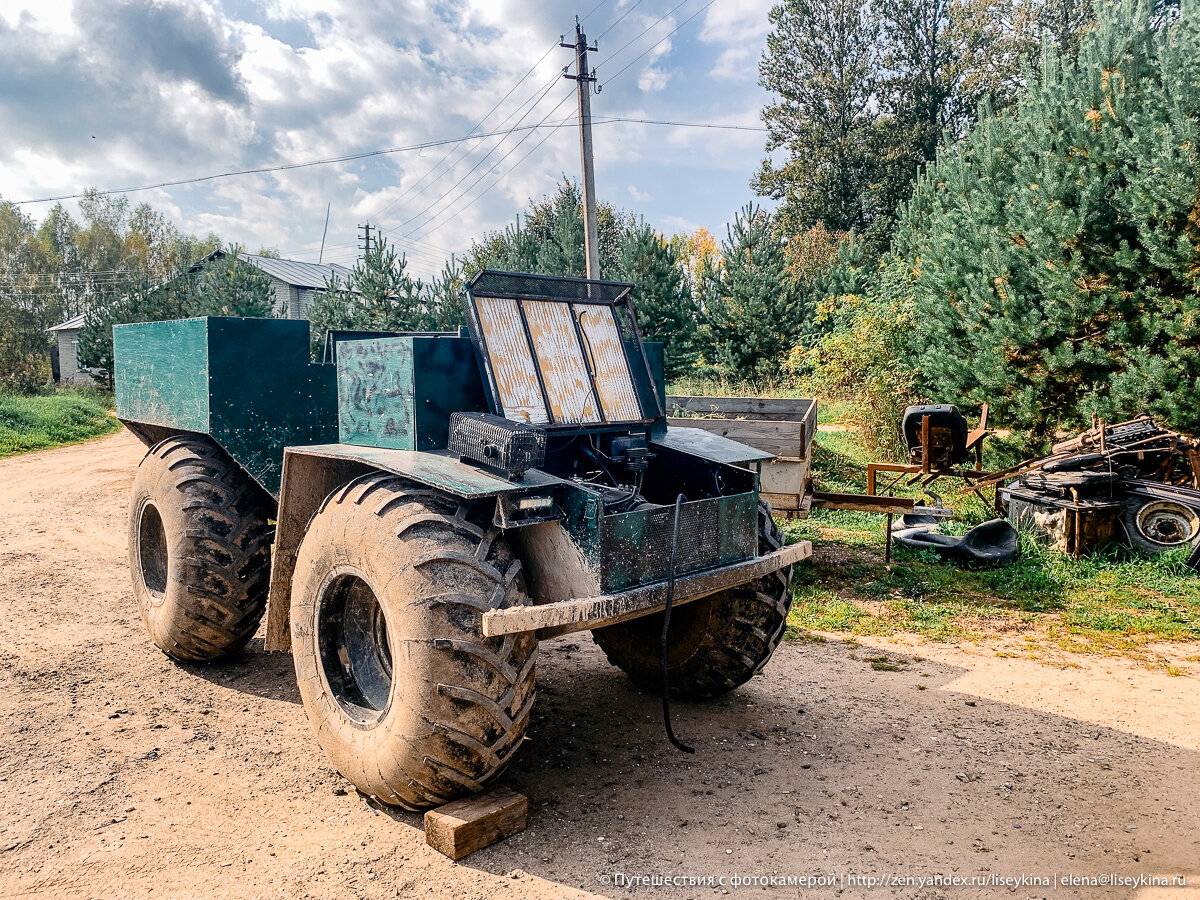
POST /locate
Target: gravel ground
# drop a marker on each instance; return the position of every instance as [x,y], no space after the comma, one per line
[123,774]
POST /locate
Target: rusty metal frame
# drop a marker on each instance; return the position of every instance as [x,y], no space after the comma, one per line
[623,298]
[927,471]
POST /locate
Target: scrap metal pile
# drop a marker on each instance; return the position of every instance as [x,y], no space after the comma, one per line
[1134,482]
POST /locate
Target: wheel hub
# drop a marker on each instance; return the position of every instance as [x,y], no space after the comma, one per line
[153,559]
[354,649]
[1168,524]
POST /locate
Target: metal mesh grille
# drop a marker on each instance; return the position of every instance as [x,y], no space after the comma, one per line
[509,446]
[513,284]
[636,547]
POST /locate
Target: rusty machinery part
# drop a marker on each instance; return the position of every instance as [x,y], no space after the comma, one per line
[199,549]
[1154,525]
[1137,449]
[1065,483]
[718,642]
[409,701]
[947,434]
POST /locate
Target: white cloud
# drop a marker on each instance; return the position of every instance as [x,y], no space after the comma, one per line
[678,225]
[181,88]
[653,78]
[740,30]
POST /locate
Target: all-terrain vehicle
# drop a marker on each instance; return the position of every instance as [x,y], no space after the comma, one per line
[417,511]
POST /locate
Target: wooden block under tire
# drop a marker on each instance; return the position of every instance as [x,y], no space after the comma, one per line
[480,820]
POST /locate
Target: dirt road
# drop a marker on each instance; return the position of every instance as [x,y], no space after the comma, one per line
[123,774]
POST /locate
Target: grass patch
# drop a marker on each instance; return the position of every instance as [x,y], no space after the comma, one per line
[51,420]
[1116,600]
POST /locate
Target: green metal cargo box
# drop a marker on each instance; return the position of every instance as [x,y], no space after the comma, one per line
[246,382]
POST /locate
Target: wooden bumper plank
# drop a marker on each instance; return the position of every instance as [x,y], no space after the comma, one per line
[566,616]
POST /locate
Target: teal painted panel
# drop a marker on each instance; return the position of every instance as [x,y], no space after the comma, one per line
[447,380]
[635,547]
[246,382]
[162,373]
[398,392]
[265,394]
[437,469]
[375,389]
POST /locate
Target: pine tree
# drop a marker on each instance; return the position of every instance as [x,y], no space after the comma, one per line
[379,295]
[1053,254]
[144,298]
[754,313]
[662,297]
[227,286]
[442,298]
[550,239]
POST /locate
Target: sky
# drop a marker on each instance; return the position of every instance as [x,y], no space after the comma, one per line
[121,93]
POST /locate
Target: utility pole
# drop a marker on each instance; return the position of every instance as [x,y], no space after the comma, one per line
[583,84]
[366,238]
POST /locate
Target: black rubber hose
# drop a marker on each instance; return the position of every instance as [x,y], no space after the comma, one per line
[662,649]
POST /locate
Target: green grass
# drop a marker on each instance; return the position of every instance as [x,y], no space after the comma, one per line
[51,420]
[1114,600]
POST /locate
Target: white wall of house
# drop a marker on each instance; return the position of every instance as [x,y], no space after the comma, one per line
[281,293]
[68,359]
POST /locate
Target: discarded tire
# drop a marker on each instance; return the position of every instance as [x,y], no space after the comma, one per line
[716,643]
[1157,525]
[993,543]
[199,548]
[409,701]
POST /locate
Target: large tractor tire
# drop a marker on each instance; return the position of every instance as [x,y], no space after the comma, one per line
[716,643]
[410,702]
[199,549]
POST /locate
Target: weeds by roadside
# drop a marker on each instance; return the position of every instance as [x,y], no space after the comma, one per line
[66,416]
[1116,600]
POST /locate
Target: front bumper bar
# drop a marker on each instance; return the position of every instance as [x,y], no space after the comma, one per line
[565,616]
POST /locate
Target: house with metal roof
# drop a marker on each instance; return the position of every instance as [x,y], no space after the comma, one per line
[294,285]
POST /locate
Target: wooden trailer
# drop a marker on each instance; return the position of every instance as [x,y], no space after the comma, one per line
[781,426]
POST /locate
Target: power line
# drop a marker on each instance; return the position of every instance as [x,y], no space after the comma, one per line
[394,203]
[608,120]
[656,43]
[500,177]
[485,157]
[529,105]
[350,157]
[592,10]
[449,206]
[635,5]
[637,37]
[356,156]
